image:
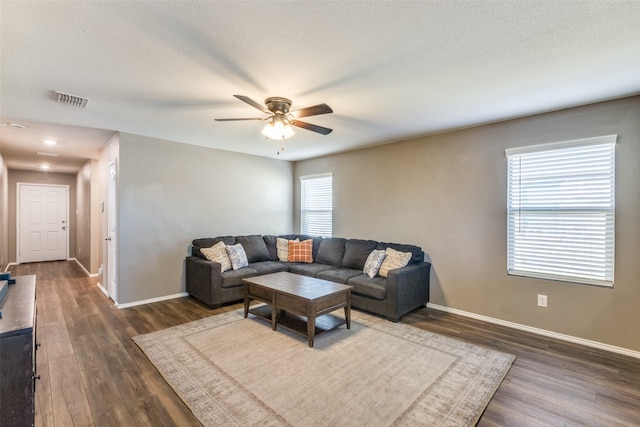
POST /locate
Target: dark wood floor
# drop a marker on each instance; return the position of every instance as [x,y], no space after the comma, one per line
[93,374]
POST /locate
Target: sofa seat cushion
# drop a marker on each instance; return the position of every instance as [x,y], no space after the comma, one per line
[339,275]
[309,269]
[375,288]
[266,267]
[234,278]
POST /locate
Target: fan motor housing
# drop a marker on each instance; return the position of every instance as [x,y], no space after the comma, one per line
[277,105]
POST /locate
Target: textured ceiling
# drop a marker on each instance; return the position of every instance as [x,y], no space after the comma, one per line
[389,70]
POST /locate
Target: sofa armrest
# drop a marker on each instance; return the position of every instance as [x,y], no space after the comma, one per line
[407,289]
[204,280]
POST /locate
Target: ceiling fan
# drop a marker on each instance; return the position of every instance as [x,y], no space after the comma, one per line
[281,118]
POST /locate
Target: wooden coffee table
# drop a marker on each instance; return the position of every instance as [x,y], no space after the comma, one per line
[299,303]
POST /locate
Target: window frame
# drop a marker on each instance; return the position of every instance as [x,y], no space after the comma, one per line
[321,213]
[591,217]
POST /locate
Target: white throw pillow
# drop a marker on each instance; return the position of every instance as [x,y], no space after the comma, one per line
[238,256]
[218,253]
[374,261]
[282,248]
[394,259]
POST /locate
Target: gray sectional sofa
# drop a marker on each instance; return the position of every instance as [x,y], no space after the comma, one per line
[336,259]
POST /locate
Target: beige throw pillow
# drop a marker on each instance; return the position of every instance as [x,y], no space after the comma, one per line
[394,259]
[218,253]
[282,248]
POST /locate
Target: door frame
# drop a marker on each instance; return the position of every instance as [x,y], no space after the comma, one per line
[111,273]
[19,186]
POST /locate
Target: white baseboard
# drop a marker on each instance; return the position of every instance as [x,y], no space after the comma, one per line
[9,265]
[150,300]
[104,291]
[82,267]
[550,334]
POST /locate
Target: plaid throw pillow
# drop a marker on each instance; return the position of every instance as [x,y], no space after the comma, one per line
[301,251]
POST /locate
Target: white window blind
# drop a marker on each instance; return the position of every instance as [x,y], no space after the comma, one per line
[316,214]
[561,211]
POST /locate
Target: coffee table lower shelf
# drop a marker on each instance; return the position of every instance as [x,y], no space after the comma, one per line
[297,323]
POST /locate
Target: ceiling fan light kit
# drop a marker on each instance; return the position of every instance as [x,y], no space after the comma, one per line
[281,120]
[278,128]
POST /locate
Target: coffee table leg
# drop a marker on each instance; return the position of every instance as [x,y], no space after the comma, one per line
[246,301]
[274,313]
[347,310]
[311,330]
[311,327]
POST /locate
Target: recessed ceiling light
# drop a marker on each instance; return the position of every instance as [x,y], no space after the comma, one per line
[42,153]
[13,125]
[50,142]
[45,167]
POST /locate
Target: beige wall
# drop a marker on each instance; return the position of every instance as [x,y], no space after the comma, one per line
[83,216]
[34,177]
[4,217]
[172,193]
[447,193]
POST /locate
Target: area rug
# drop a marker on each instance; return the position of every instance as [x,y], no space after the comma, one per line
[233,371]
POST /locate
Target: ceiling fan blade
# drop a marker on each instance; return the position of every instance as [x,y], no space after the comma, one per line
[233,120]
[253,103]
[313,128]
[312,111]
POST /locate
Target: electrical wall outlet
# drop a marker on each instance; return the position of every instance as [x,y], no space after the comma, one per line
[542,300]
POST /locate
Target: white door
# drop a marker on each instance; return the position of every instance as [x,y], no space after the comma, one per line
[42,224]
[111,232]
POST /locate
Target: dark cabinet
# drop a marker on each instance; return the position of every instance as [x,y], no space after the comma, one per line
[17,354]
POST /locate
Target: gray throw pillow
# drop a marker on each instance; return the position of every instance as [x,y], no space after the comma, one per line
[237,256]
[373,263]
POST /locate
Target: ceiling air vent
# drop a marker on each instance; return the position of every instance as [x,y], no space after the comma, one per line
[67,99]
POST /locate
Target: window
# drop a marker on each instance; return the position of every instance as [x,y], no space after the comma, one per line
[560,211]
[316,205]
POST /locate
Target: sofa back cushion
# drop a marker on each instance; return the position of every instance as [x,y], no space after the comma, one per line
[255,248]
[331,251]
[417,255]
[208,242]
[270,241]
[356,252]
